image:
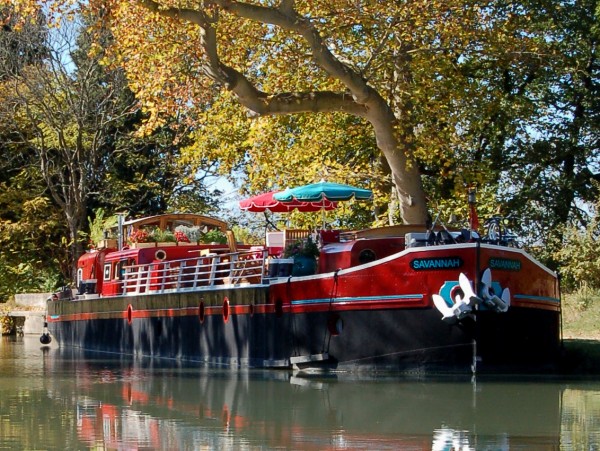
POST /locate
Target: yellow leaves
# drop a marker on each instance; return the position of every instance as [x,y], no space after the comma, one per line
[219,137]
[161,58]
[23,10]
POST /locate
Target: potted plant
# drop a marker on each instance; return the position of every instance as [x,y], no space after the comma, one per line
[214,237]
[138,236]
[162,236]
[101,230]
[181,237]
[185,234]
[305,253]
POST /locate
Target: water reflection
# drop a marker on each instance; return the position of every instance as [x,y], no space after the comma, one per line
[62,399]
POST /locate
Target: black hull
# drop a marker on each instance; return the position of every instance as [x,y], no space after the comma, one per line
[400,340]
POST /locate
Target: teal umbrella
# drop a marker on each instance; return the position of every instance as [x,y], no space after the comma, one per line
[323,191]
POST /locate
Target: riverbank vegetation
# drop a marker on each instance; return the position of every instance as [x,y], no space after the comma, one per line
[581,331]
[417,101]
[581,314]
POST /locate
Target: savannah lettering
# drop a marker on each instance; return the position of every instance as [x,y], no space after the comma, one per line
[505,263]
[420,264]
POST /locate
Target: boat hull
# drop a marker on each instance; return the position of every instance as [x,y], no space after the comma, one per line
[378,316]
[401,339]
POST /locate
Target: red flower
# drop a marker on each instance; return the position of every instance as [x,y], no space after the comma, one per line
[181,237]
[138,236]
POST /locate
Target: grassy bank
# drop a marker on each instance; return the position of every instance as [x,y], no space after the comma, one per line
[581,315]
[581,332]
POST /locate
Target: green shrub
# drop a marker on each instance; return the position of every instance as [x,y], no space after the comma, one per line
[581,314]
[162,236]
[579,255]
[99,225]
[23,277]
[582,298]
[214,236]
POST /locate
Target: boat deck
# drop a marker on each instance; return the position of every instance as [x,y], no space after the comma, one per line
[202,272]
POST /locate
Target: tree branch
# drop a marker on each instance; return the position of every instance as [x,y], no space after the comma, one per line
[262,103]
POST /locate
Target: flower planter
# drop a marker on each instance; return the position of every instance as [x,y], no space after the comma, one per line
[109,243]
[142,245]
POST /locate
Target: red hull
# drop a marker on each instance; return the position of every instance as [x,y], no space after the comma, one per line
[401,301]
[379,315]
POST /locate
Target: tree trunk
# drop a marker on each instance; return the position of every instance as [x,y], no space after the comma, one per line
[405,173]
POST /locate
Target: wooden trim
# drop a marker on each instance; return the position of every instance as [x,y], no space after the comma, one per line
[163,221]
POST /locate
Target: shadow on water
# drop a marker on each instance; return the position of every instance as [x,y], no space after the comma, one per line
[68,399]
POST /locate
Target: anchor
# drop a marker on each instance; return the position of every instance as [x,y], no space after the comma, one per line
[490,299]
[463,305]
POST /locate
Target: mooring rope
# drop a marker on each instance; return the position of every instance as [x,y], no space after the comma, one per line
[293,317]
[327,317]
[412,351]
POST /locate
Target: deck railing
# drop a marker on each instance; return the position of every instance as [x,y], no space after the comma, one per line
[204,271]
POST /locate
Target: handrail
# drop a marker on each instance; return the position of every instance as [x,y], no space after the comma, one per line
[204,271]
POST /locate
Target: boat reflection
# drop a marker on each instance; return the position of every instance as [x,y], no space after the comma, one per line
[134,405]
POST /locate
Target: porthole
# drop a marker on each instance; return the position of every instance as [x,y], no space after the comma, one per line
[129,314]
[367,256]
[201,312]
[226,310]
[160,254]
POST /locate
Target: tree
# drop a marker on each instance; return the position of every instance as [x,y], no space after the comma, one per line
[437,81]
[344,60]
[33,251]
[554,156]
[70,124]
[291,150]
[20,45]
[579,253]
[454,91]
[67,112]
[149,176]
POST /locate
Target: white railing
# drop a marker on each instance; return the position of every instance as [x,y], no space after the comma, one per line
[204,271]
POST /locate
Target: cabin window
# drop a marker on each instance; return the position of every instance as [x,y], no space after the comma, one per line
[107,271]
[120,270]
[367,256]
[79,275]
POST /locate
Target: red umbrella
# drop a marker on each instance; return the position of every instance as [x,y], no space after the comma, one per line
[266,201]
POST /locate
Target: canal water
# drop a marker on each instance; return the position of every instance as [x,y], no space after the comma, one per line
[59,399]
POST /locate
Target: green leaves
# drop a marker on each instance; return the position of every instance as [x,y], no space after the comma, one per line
[31,254]
[579,254]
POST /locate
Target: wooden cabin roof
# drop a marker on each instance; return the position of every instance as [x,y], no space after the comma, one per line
[172,220]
